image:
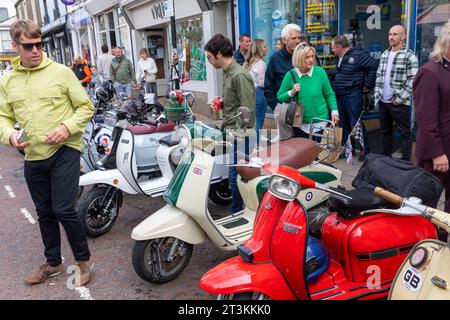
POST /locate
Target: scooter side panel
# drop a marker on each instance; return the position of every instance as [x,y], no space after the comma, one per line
[107,177]
[416,283]
[169,222]
[236,276]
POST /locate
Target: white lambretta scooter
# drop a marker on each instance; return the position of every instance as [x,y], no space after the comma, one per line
[119,173]
[164,241]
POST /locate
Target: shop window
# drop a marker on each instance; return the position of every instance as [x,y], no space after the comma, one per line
[367,23]
[107,30]
[321,24]
[190,35]
[269,18]
[3,14]
[431,17]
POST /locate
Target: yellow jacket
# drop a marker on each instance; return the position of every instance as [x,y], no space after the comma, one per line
[40,99]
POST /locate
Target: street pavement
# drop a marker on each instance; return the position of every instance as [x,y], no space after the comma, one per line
[114,277]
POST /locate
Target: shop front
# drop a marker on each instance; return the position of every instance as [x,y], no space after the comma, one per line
[153,31]
[364,22]
[57,41]
[82,30]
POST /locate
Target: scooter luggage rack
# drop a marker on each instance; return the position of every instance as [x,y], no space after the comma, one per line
[328,139]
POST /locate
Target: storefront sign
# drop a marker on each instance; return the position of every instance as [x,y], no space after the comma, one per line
[78,19]
[158,11]
[168,8]
[54,24]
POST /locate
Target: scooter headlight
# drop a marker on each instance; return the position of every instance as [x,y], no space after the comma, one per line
[110,118]
[283,188]
[185,137]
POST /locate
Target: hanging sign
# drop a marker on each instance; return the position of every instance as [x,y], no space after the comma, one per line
[69,2]
[168,8]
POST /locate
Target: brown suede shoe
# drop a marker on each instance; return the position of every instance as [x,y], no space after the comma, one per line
[85,271]
[43,273]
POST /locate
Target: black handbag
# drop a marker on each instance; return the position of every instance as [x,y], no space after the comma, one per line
[293,106]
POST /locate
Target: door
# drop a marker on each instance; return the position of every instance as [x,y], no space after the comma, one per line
[155,42]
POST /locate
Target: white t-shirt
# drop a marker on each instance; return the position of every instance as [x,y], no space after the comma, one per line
[258,72]
[387,90]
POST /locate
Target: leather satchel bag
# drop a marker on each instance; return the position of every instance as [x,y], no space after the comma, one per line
[294,112]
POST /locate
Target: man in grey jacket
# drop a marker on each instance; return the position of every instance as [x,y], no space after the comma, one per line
[122,73]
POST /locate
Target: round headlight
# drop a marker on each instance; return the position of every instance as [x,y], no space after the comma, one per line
[110,118]
[176,155]
[283,188]
[185,137]
[418,257]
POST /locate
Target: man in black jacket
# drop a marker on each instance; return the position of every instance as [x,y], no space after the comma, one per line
[280,63]
[355,70]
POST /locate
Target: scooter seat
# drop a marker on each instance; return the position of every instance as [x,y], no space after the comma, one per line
[295,153]
[140,129]
[362,199]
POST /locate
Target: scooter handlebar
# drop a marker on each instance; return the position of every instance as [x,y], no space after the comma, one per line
[388,196]
[438,217]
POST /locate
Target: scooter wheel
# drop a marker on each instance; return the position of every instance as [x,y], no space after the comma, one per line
[93,218]
[152,262]
[220,193]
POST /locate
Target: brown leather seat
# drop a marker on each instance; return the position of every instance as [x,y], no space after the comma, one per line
[150,128]
[295,153]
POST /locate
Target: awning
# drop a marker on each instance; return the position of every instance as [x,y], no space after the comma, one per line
[95,7]
[435,14]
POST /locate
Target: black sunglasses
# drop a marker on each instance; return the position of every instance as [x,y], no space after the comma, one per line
[29,46]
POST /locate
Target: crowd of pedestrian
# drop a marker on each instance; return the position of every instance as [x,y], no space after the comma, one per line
[61,109]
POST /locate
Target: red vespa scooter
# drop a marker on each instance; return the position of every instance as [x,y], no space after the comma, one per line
[359,257]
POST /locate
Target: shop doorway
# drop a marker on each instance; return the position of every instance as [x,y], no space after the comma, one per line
[155,42]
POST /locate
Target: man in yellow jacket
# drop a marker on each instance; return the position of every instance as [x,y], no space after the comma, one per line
[49,103]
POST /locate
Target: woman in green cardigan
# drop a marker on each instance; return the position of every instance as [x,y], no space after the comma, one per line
[312,88]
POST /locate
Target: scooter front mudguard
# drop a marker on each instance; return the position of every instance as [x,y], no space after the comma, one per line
[236,276]
[110,177]
[169,222]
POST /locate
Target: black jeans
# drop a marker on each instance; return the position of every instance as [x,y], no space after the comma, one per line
[401,114]
[53,185]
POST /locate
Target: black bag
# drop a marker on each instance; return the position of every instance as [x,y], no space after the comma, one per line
[290,112]
[400,177]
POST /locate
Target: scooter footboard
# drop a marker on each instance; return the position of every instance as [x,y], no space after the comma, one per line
[236,276]
[169,222]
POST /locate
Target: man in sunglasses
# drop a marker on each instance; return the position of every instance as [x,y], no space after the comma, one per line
[49,103]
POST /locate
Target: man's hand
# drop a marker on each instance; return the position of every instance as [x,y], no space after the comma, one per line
[440,164]
[394,102]
[57,135]
[13,139]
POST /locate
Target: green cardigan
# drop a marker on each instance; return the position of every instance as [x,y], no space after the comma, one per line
[315,93]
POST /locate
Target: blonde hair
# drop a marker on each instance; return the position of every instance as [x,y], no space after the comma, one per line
[255,53]
[442,44]
[300,53]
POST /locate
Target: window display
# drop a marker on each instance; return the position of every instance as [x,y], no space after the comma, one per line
[190,36]
[431,16]
[269,18]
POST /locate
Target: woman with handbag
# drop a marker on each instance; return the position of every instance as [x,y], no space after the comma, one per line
[306,93]
[256,66]
[146,72]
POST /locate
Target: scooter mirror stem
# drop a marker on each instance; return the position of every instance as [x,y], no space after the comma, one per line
[332,191]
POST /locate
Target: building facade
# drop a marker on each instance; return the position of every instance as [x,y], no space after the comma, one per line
[364,22]
[7,17]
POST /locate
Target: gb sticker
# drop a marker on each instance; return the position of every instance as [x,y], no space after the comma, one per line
[412,279]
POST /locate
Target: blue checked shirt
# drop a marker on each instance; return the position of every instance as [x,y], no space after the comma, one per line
[404,70]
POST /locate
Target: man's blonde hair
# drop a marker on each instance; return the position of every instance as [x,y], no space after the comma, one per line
[26,27]
[300,53]
[442,44]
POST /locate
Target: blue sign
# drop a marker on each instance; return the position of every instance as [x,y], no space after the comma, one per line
[68,2]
